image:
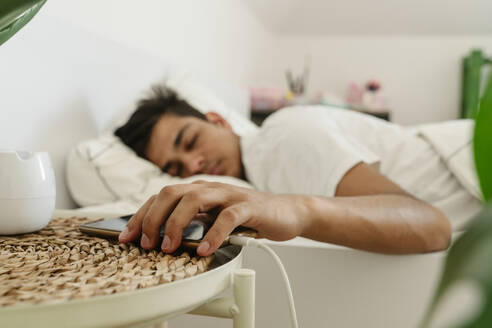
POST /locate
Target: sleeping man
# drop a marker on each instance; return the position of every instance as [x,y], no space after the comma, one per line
[326,174]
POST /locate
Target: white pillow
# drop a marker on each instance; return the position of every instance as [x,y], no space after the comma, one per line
[104,170]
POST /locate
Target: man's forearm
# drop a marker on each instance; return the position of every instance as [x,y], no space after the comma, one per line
[388,223]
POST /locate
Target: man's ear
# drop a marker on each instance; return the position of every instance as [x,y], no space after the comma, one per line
[217,119]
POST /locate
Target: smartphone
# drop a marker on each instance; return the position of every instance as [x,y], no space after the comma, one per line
[192,234]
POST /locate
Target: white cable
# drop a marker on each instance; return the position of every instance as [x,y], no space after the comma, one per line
[248,241]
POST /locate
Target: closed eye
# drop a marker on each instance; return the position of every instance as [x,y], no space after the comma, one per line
[173,168]
[190,145]
[179,169]
[166,168]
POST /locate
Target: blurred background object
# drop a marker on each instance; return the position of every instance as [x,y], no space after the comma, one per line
[475,67]
[354,94]
[368,99]
[267,98]
[298,84]
[373,99]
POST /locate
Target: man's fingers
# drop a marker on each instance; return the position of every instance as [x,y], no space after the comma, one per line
[178,205]
[192,203]
[134,225]
[158,212]
[228,219]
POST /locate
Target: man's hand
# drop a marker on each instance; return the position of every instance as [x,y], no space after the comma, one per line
[276,217]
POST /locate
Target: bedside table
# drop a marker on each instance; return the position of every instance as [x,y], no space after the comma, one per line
[258,116]
[143,306]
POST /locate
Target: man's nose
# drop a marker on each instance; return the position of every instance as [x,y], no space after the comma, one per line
[193,164]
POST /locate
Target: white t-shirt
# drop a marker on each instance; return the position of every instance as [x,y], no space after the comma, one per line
[308,150]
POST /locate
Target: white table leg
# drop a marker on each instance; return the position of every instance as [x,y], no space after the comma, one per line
[241,307]
[244,297]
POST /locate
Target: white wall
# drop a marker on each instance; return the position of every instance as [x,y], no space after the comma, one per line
[381,17]
[421,75]
[216,37]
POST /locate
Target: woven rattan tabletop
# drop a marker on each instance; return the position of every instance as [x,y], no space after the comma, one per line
[61,263]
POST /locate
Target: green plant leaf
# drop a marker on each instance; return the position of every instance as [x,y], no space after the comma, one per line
[482,145]
[14,14]
[470,258]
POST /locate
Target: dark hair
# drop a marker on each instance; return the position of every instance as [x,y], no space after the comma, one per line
[136,132]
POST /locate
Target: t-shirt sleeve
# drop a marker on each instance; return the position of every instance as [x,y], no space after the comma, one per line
[311,161]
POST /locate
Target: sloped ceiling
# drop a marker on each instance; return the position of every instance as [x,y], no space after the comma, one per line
[375,17]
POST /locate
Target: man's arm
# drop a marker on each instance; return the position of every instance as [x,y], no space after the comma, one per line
[370,213]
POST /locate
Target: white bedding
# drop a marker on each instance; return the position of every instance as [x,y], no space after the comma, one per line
[453,141]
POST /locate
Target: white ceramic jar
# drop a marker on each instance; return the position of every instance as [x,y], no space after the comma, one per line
[27,191]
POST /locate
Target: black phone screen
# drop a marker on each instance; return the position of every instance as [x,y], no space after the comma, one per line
[195,231]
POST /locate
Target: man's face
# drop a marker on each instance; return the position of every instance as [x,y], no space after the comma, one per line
[186,146]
